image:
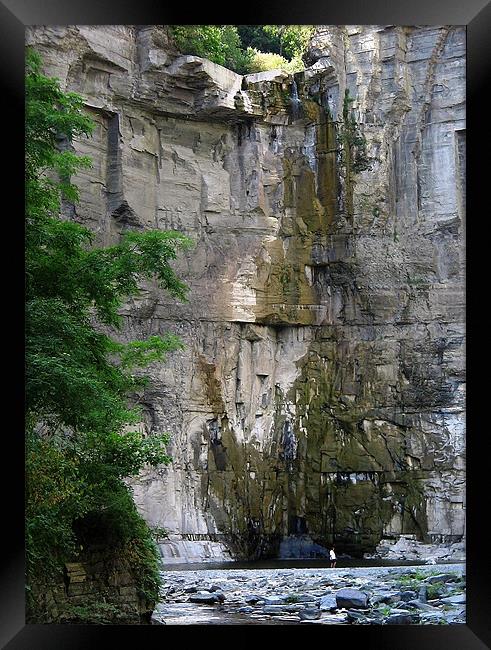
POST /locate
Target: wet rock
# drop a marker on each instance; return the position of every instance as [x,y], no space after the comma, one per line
[400,604]
[431,618]
[348,598]
[406,596]
[296,600]
[309,614]
[333,619]
[423,593]
[275,600]
[403,606]
[387,599]
[274,610]
[355,617]
[401,618]
[312,622]
[444,577]
[253,599]
[305,598]
[457,599]
[417,604]
[207,598]
[156,621]
[328,603]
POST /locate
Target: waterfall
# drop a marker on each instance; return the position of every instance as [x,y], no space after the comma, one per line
[295,92]
[289,444]
[296,104]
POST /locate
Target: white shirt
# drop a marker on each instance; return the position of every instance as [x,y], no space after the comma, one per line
[332,555]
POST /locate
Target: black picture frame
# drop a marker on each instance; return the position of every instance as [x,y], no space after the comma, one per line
[15,15]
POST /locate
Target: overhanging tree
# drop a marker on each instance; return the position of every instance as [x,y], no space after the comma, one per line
[78,377]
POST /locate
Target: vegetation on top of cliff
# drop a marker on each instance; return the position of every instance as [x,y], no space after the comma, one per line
[289,41]
[246,48]
[219,43]
[78,378]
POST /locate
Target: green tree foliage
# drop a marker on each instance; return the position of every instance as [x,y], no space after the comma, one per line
[78,378]
[246,48]
[257,38]
[219,43]
[55,497]
[292,39]
[262,61]
[289,41]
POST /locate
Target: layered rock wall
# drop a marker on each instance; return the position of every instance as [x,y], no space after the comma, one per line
[321,392]
[100,585]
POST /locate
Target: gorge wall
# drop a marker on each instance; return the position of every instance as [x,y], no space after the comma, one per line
[320,395]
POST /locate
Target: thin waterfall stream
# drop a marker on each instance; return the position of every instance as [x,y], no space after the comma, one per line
[296,104]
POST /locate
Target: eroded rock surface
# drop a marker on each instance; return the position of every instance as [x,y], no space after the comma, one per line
[321,391]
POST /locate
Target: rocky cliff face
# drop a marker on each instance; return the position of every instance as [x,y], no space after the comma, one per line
[320,396]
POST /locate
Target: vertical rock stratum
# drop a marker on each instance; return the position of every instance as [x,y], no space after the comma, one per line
[320,395]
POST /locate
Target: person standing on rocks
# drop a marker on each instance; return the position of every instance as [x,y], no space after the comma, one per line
[332,557]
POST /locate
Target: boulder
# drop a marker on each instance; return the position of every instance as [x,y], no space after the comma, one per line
[205,597]
[355,617]
[417,604]
[387,599]
[406,596]
[253,599]
[351,598]
[309,614]
[444,577]
[328,603]
[306,598]
[457,599]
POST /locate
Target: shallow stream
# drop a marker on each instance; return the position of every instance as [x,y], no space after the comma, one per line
[291,592]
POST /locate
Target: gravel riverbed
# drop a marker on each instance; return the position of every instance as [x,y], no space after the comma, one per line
[317,596]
